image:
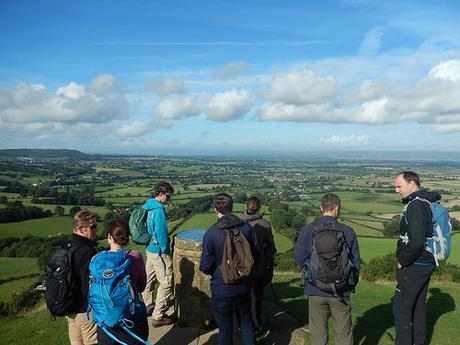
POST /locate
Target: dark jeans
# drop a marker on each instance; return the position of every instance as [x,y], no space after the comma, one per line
[141,329]
[257,297]
[223,308]
[409,309]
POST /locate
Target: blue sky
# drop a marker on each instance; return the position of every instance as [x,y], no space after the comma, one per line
[188,76]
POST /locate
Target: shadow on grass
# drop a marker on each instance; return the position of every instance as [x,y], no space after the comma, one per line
[375,322]
[293,298]
[438,303]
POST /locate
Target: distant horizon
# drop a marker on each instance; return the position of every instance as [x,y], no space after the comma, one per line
[396,155]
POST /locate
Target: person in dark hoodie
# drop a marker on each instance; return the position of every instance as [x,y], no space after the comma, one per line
[159,264]
[265,258]
[225,298]
[415,264]
[81,329]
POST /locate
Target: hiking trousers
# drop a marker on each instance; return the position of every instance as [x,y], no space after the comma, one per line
[409,306]
[320,309]
[158,269]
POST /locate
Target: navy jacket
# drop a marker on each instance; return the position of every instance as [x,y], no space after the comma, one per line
[212,250]
[303,246]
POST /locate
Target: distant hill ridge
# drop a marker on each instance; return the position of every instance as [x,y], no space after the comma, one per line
[44,153]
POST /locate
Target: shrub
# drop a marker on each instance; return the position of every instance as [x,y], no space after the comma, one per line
[285,262]
[380,268]
[21,301]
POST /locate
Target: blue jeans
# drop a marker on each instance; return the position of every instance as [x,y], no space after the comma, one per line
[223,307]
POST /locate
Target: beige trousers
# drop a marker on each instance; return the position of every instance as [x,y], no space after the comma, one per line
[82,330]
[158,269]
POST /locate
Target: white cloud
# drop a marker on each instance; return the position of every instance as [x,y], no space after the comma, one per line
[134,129]
[226,106]
[447,129]
[371,42]
[230,70]
[367,90]
[345,140]
[167,87]
[300,88]
[176,107]
[434,99]
[103,101]
[222,106]
[449,70]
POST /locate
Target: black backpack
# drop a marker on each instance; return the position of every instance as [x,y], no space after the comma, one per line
[62,292]
[330,268]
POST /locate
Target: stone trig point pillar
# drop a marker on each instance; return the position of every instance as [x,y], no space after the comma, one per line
[191,287]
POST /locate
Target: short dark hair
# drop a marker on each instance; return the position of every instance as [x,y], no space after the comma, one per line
[329,202]
[410,176]
[162,187]
[223,203]
[252,205]
[119,230]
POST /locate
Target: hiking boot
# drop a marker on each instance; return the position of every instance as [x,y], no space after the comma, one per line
[163,321]
[150,310]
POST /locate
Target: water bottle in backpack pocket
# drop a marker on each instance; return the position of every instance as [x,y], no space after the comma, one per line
[112,299]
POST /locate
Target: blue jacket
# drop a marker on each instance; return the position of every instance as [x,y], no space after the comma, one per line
[157,226]
[303,246]
[212,251]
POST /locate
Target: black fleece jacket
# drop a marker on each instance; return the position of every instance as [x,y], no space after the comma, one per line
[415,227]
[85,250]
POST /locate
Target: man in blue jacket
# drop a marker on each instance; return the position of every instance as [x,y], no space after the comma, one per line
[225,298]
[322,304]
[158,264]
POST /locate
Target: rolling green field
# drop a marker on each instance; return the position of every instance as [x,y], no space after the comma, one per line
[17,267]
[42,227]
[6,289]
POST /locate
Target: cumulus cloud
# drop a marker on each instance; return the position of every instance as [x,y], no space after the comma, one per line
[222,106]
[230,70]
[434,99]
[176,107]
[300,88]
[102,101]
[134,129]
[371,42]
[226,106]
[345,140]
[167,87]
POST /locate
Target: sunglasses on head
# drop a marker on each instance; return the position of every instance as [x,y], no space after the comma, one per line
[93,226]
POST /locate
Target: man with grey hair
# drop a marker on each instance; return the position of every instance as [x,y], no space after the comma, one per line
[322,301]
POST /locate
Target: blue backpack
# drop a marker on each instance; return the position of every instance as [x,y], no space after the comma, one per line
[111,297]
[439,244]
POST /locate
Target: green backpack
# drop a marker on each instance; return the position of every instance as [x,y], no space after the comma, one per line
[138,226]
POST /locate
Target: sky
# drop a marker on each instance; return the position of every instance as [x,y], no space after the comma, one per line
[161,77]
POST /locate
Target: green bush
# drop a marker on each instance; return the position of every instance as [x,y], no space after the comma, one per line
[384,268]
[285,262]
[380,268]
[19,302]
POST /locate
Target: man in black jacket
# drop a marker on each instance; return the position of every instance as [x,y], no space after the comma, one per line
[81,330]
[415,264]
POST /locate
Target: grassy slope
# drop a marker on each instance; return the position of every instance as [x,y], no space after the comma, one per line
[372,315]
[17,267]
[42,227]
